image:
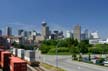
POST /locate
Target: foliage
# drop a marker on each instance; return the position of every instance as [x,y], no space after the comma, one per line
[74,46]
[44,48]
[22,46]
[50,42]
[74,56]
[74,50]
[89,57]
[80,57]
[99,49]
[61,50]
[83,46]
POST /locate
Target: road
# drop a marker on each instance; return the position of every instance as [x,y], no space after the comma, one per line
[66,63]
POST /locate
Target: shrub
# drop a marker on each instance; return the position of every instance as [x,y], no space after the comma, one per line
[60,50]
[44,48]
[74,56]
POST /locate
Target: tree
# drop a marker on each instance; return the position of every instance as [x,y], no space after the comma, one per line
[74,50]
[75,42]
[80,57]
[74,56]
[84,46]
[44,48]
[89,57]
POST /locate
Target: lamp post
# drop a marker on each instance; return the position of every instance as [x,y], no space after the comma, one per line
[57,53]
[56,57]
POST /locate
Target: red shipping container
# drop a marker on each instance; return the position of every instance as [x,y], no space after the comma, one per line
[5,61]
[17,64]
[1,50]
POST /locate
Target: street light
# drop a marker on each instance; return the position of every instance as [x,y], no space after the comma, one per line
[57,53]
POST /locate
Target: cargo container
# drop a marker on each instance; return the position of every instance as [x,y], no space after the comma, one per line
[1,50]
[17,64]
[30,59]
[20,53]
[5,61]
[30,55]
[14,51]
[38,55]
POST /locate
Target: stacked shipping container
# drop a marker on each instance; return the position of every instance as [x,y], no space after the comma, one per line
[9,63]
[1,50]
[5,64]
[16,64]
[14,51]
[20,53]
[30,55]
[38,55]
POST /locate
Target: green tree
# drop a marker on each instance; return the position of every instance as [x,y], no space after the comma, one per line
[74,56]
[74,50]
[80,57]
[82,47]
[89,57]
[44,48]
[76,42]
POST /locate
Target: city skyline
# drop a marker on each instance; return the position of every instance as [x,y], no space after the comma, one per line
[29,14]
[82,30]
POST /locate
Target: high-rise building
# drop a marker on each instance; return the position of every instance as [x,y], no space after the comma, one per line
[29,33]
[68,34]
[86,34]
[77,32]
[0,32]
[83,36]
[33,33]
[25,34]
[94,35]
[8,31]
[45,30]
[20,32]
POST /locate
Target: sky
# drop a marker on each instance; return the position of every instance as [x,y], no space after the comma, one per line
[59,14]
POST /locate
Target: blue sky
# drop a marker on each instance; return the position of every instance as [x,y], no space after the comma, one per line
[59,14]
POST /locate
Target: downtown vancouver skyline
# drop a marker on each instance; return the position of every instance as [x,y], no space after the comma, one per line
[59,14]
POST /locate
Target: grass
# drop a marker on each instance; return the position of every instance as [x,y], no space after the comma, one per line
[51,68]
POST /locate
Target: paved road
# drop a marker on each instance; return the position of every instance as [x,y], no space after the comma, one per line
[66,63]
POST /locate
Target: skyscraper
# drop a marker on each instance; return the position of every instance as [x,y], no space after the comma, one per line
[20,32]
[8,31]
[45,30]
[33,33]
[68,34]
[77,32]
[0,32]
[86,33]
[25,34]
